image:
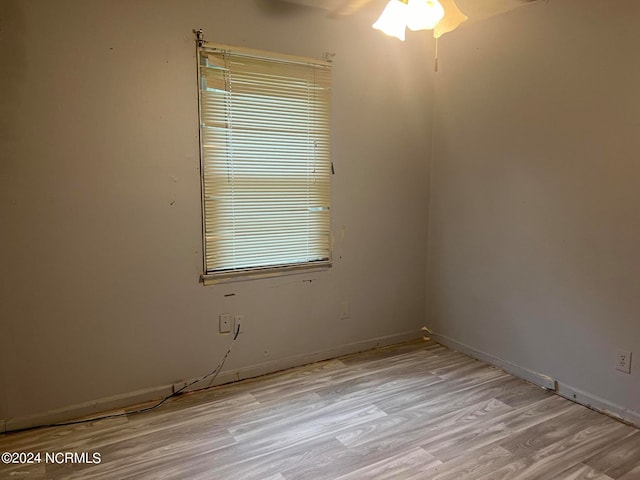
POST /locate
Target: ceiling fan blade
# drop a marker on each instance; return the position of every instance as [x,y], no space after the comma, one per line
[480,10]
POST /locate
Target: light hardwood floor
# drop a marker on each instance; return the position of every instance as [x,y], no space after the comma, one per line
[411,411]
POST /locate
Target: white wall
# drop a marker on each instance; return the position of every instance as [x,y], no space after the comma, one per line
[534,229]
[100,198]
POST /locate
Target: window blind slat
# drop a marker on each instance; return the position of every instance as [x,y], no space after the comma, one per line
[266,161]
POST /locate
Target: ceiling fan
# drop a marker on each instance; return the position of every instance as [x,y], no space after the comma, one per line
[408,12]
[348,7]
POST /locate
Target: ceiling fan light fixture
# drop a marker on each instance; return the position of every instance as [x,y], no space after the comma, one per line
[453,17]
[424,14]
[393,20]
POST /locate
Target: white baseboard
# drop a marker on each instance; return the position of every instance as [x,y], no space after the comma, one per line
[567,391]
[303,359]
[156,393]
[87,408]
[529,375]
[600,405]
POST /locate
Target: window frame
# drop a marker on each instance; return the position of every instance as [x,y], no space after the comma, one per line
[208,276]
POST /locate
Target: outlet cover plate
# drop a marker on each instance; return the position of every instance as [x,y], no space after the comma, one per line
[344,306]
[623,361]
[238,321]
[225,323]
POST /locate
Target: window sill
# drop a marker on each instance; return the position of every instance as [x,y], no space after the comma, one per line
[241,276]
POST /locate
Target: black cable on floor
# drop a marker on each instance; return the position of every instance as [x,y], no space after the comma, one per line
[214,372]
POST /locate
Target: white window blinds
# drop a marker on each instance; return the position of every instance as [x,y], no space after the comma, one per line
[266,166]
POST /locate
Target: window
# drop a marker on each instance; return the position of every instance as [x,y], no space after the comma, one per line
[266,166]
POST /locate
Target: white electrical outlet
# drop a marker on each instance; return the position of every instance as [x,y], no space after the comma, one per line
[345,310]
[623,361]
[225,323]
[238,321]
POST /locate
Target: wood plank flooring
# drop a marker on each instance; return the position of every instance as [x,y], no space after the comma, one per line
[410,411]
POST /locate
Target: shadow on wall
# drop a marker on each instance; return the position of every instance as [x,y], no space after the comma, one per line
[12,74]
[12,52]
[279,7]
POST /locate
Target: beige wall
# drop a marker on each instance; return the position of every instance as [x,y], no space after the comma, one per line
[100,198]
[534,229]
[533,221]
